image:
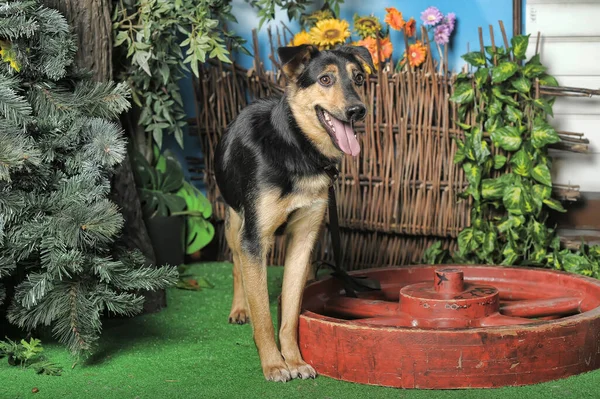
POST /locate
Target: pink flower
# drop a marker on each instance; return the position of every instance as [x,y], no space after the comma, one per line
[451,20]
[431,16]
[441,34]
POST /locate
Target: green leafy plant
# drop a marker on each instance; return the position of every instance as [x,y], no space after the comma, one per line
[159,186]
[161,39]
[28,355]
[295,9]
[164,192]
[511,190]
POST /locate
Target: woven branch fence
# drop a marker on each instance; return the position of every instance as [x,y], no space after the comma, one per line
[394,200]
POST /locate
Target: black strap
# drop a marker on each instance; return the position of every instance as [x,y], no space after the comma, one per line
[352,284]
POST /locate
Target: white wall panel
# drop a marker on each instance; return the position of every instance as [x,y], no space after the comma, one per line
[570,48]
[563,18]
[568,56]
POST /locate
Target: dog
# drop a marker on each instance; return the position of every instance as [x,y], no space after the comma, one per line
[270,167]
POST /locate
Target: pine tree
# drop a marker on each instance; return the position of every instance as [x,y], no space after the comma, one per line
[58,147]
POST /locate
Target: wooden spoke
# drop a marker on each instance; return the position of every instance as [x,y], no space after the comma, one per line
[541,307]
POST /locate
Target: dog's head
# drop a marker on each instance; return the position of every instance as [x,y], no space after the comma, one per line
[323,95]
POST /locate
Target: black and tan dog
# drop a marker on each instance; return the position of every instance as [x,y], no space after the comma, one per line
[270,169]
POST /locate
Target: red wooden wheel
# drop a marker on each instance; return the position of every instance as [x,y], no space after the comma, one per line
[454,327]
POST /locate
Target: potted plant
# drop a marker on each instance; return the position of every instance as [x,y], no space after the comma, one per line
[169,205]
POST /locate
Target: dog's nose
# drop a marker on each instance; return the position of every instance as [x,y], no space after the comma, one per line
[356,112]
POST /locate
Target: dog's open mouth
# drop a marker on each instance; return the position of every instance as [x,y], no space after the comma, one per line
[342,133]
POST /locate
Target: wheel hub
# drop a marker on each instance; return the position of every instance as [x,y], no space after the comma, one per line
[449,302]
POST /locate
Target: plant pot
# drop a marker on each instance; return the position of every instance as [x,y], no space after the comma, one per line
[167,234]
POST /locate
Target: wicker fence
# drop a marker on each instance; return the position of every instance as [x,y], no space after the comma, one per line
[399,195]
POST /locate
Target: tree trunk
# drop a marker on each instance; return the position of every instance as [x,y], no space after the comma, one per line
[91,21]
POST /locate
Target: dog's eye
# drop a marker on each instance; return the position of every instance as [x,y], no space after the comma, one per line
[359,79]
[325,80]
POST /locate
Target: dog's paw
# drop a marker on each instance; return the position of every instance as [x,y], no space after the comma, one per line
[239,316]
[277,373]
[301,369]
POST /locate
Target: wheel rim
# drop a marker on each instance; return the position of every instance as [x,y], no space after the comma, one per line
[438,298]
[366,344]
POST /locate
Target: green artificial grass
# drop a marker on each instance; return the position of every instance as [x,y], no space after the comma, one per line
[190,351]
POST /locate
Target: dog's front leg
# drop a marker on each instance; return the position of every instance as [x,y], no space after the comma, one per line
[257,237]
[302,232]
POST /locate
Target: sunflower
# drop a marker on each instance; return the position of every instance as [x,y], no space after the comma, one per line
[366,25]
[300,38]
[329,32]
[411,27]
[416,54]
[394,18]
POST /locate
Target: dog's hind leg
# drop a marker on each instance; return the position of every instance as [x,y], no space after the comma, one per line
[302,232]
[239,309]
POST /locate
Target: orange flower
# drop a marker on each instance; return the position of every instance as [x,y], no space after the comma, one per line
[385,48]
[411,27]
[416,54]
[394,18]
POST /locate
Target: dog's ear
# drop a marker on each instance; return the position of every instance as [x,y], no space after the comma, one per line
[362,55]
[295,59]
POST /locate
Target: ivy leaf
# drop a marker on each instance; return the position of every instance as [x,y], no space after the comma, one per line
[475,58]
[548,80]
[539,232]
[574,263]
[473,173]
[497,92]
[507,138]
[513,200]
[519,44]
[510,256]
[489,243]
[541,191]
[543,134]
[544,105]
[479,146]
[495,107]
[504,71]
[533,70]
[493,188]
[521,163]
[463,93]
[463,126]
[481,76]
[499,161]
[541,173]
[522,84]
[513,114]
[554,204]
[466,241]
[493,123]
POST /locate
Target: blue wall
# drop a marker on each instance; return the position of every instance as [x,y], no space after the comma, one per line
[470,15]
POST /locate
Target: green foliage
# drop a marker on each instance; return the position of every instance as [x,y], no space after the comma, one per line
[58,149]
[160,40]
[164,192]
[295,9]
[510,191]
[28,355]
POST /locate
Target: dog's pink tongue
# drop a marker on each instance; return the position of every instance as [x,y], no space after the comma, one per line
[345,137]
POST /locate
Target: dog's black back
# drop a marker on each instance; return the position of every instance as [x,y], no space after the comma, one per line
[264,146]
